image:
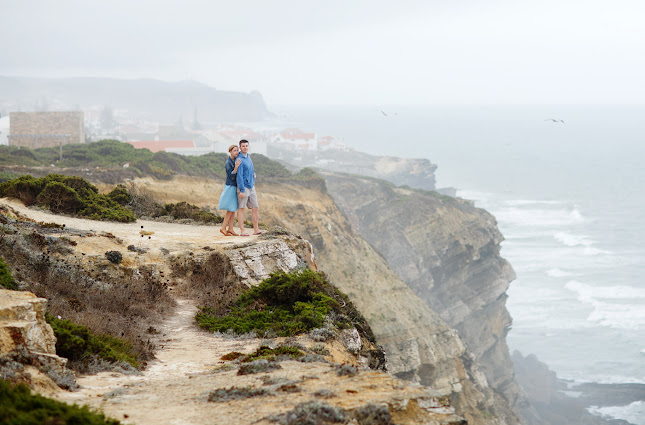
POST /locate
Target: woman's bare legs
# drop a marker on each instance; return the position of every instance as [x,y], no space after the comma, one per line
[227,218]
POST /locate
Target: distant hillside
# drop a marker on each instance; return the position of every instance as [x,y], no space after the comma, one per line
[145,98]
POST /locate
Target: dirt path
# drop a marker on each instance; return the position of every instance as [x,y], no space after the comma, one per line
[170,236]
[174,387]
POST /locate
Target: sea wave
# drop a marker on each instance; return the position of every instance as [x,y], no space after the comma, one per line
[558,273]
[618,292]
[613,306]
[570,239]
[522,202]
[633,413]
[540,216]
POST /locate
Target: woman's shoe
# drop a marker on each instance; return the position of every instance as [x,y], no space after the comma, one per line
[223,232]
[231,233]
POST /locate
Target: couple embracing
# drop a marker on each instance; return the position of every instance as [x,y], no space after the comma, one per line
[239,191]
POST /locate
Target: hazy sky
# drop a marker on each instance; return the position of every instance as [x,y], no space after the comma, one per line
[343,52]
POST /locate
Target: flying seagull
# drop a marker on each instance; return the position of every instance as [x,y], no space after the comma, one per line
[554,120]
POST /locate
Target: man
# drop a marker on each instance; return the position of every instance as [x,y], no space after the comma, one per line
[247,198]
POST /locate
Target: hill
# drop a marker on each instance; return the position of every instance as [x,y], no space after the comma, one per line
[149,99]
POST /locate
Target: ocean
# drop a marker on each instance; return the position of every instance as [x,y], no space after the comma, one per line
[567,186]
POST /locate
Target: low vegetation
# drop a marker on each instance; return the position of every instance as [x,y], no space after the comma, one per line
[107,298]
[183,210]
[312,412]
[270,354]
[6,278]
[284,304]
[19,407]
[224,395]
[113,155]
[76,343]
[67,195]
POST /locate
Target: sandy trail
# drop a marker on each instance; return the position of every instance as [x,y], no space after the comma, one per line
[174,387]
[172,236]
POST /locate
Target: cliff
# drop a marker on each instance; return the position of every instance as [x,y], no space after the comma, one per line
[189,381]
[447,252]
[420,345]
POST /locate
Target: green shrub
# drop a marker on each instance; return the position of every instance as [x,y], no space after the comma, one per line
[311,413]
[6,278]
[224,395]
[26,188]
[19,407]
[285,303]
[59,198]
[78,344]
[67,194]
[372,414]
[114,257]
[120,195]
[270,354]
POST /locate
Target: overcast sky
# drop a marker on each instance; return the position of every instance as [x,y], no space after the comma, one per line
[343,52]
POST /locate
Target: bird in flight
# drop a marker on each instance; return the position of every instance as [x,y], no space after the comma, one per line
[554,120]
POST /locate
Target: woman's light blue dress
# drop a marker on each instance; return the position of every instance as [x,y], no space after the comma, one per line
[228,198]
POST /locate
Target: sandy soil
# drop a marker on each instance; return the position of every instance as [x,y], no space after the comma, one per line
[171,236]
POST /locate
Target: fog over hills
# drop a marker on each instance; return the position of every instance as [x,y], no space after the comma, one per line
[142,98]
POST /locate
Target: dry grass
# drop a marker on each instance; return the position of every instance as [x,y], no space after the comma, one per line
[211,281]
[124,303]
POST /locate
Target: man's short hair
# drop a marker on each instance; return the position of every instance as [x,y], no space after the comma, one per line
[244,141]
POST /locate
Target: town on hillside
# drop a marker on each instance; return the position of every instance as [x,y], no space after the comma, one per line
[57,128]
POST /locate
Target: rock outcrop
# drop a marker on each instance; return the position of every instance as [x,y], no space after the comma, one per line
[27,343]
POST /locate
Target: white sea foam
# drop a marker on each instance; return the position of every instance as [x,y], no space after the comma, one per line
[540,216]
[633,413]
[569,239]
[613,306]
[558,273]
[618,292]
[521,202]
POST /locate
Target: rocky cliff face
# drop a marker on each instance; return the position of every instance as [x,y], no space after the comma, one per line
[447,251]
[419,344]
[27,343]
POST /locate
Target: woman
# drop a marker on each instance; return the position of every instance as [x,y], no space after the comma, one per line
[228,198]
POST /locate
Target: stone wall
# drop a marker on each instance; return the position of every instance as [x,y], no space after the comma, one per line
[35,129]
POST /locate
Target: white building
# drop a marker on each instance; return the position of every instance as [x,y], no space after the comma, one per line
[299,139]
